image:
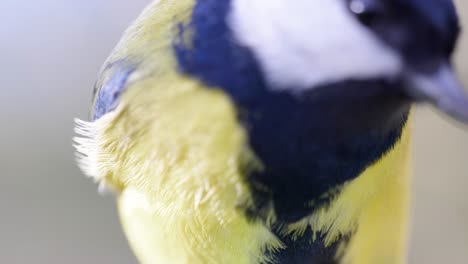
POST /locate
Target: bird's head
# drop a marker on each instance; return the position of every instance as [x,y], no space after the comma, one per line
[301,45]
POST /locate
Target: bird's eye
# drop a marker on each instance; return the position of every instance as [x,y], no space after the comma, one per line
[366,11]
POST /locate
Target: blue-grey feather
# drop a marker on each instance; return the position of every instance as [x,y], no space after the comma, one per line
[107,96]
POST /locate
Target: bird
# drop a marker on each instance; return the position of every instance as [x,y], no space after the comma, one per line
[255,131]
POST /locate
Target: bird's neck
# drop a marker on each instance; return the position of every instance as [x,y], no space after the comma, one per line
[309,144]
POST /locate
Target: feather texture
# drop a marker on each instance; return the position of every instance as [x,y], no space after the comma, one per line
[176,154]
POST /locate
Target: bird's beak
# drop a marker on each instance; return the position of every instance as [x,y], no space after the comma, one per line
[440,88]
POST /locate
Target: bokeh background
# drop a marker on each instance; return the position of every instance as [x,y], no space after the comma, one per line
[50,54]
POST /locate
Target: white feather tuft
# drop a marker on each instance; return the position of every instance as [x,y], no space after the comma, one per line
[88,153]
[86,147]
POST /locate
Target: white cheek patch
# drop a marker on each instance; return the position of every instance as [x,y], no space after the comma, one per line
[303,43]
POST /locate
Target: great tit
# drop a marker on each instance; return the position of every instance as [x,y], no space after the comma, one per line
[269,131]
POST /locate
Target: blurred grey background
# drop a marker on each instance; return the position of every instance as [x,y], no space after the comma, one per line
[51,51]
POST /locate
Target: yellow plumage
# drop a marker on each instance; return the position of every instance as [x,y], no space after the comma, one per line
[172,150]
